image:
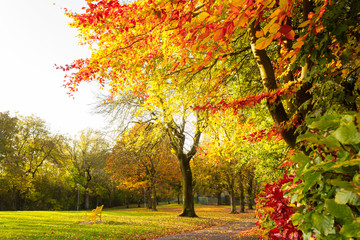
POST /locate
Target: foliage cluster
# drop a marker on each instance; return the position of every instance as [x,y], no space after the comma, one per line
[328,197]
[274,212]
[322,199]
[141,161]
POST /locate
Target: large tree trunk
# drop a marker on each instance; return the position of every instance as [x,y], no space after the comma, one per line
[267,74]
[218,198]
[242,196]
[276,107]
[153,196]
[188,197]
[232,201]
[250,192]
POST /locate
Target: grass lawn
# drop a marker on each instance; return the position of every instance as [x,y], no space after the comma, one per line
[134,223]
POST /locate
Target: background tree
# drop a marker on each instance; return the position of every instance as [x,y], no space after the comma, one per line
[207,176]
[88,153]
[142,159]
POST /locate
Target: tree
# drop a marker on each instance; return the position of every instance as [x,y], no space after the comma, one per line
[8,126]
[174,117]
[142,159]
[207,176]
[88,153]
[216,37]
[28,149]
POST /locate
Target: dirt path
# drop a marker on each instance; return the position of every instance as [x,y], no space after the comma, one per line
[221,232]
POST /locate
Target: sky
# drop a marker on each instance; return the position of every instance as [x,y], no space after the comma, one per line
[34,36]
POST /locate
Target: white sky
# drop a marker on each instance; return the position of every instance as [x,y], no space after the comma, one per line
[34,37]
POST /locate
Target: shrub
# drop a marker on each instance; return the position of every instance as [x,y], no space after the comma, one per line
[327,198]
[273,210]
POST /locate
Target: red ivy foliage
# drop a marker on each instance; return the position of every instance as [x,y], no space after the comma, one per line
[273,207]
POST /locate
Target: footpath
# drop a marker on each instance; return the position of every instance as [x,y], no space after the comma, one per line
[228,231]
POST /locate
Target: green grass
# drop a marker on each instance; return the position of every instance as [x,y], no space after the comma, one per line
[136,223]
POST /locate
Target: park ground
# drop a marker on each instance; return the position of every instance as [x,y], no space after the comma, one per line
[133,223]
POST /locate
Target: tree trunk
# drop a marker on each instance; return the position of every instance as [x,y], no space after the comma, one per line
[267,74]
[250,192]
[14,199]
[242,196]
[153,196]
[232,201]
[219,198]
[188,198]
[86,200]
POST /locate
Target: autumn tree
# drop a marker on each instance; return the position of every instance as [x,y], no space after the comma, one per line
[142,159]
[207,176]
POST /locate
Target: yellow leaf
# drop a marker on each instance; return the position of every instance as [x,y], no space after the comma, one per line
[259,34]
[263,42]
[201,17]
[238,3]
[266,28]
[298,44]
[304,24]
[274,28]
[275,13]
[283,4]
[242,21]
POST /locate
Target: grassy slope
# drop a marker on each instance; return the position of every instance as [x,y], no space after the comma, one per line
[136,223]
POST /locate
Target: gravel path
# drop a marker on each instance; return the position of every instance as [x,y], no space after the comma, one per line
[221,232]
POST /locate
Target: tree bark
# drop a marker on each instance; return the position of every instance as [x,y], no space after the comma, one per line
[153,196]
[232,201]
[250,192]
[218,198]
[242,196]
[267,74]
[86,200]
[188,197]
[14,194]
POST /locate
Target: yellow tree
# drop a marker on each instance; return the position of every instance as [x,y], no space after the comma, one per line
[142,159]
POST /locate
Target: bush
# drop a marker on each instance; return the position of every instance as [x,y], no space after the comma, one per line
[273,210]
[327,198]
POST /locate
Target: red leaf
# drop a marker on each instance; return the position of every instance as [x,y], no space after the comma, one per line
[219,34]
[285,29]
[234,9]
[290,35]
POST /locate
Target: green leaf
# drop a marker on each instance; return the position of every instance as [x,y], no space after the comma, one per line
[311,137]
[311,178]
[343,197]
[347,132]
[339,210]
[326,122]
[324,224]
[353,162]
[300,158]
[351,230]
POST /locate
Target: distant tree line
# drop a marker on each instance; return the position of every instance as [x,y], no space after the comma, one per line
[40,170]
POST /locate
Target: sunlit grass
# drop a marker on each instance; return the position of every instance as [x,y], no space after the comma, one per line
[136,223]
